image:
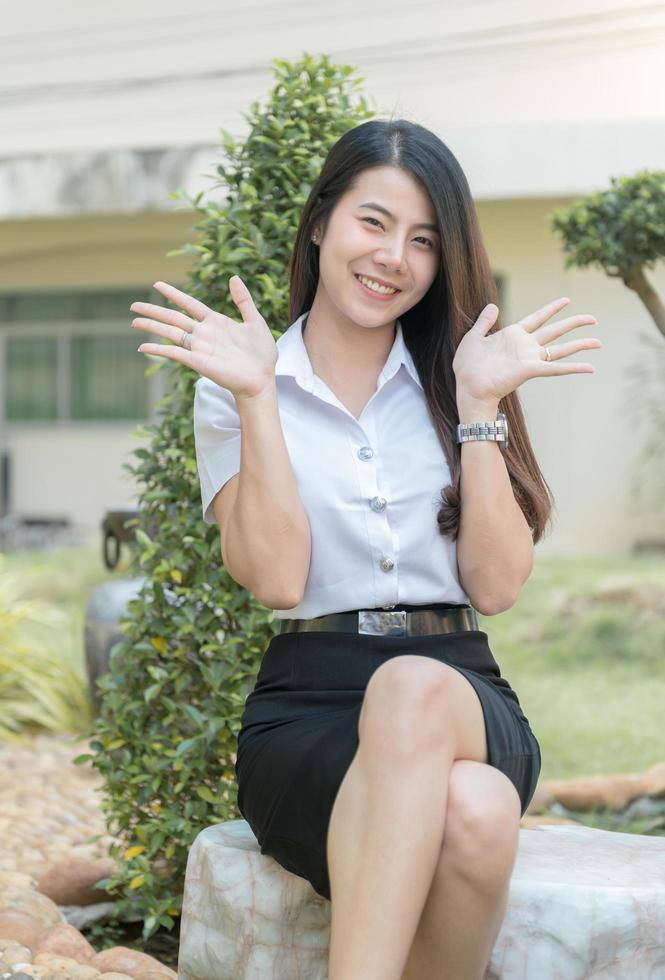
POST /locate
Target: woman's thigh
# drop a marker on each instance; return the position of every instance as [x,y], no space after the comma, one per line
[410,696]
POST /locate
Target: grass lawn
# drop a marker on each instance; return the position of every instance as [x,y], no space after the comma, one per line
[584,648]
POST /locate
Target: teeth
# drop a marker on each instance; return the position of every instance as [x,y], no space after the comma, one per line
[376,286]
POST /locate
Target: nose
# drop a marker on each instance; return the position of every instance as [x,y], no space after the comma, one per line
[392,254]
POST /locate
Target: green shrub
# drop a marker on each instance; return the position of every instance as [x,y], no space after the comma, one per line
[165,740]
[42,687]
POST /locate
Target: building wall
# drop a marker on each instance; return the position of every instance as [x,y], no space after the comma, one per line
[107,109]
[579,426]
[73,469]
[588,445]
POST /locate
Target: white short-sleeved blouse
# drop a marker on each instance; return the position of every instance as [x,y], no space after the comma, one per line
[370,486]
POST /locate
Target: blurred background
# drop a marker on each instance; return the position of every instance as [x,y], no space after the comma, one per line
[108,109]
[111,117]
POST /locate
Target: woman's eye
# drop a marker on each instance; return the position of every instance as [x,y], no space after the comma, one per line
[421,237]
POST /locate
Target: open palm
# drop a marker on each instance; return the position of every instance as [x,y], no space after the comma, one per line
[491,366]
[238,356]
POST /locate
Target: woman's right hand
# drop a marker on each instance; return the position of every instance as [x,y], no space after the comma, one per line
[237,356]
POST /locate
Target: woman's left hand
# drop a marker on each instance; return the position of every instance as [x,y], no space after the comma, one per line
[490,366]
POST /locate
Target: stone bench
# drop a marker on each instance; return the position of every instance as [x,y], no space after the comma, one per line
[583,903]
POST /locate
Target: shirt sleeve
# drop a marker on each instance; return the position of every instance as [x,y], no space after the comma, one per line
[216,440]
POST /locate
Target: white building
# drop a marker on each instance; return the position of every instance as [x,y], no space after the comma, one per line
[106,109]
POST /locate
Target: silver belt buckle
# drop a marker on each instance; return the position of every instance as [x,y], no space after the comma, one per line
[380,622]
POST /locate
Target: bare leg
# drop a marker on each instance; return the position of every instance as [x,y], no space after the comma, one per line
[387,824]
[469,894]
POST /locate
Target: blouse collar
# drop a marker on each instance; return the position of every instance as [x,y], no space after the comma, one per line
[293,358]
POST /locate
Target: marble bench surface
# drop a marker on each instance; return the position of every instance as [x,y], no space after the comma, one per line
[584,904]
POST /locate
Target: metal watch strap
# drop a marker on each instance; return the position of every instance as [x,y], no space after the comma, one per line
[494,431]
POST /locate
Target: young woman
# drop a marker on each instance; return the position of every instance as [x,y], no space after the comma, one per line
[382,756]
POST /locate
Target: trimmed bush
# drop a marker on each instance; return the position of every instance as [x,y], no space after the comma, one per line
[165,740]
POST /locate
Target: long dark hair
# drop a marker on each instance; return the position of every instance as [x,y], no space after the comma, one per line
[433,328]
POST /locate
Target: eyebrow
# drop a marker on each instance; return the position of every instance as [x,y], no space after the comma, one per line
[380,207]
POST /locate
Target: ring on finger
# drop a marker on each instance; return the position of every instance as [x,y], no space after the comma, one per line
[182,342]
[547,352]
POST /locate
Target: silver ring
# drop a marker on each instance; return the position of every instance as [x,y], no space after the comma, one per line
[182,340]
[547,351]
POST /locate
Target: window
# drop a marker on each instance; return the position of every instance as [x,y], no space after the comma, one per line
[71,356]
[31,384]
[107,377]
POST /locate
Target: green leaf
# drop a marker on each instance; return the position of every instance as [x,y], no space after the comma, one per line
[205,794]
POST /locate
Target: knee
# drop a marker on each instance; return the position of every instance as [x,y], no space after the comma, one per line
[482,824]
[405,705]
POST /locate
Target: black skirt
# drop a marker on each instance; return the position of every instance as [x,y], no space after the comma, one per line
[299,732]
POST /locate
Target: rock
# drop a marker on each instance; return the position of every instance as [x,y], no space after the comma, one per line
[162,974]
[537,820]
[114,976]
[121,959]
[18,925]
[591,792]
[11,944]
[71,881]
[81,916]
[583,903]
[28,900]
[540,800]
[66,941]
[654,780]
[15,955]
[16,879]
[64,968]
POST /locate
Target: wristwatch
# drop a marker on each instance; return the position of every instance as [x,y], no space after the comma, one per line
[496,431]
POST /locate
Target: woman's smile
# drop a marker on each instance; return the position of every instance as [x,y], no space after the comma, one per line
[384,297]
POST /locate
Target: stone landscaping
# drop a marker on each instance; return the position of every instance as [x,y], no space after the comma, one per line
[583,903]
[49,807]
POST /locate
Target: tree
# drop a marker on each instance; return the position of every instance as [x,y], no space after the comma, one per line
[622,230]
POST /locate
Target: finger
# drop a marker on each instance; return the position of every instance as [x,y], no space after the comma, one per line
[553,330]
[193,306]
[544,313]
[164,315]
[486,319]
[545,368]
[172,353]
[242,298]
[161,329]
[565,350]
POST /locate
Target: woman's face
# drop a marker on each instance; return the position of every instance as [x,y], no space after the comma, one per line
[401,248]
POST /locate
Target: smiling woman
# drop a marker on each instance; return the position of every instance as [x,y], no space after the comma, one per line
[381,755]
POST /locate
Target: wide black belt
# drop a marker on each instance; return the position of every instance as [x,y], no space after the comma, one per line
[389,622]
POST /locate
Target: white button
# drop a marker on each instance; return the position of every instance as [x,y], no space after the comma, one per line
[386,564]
[378,503]
[365,452]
